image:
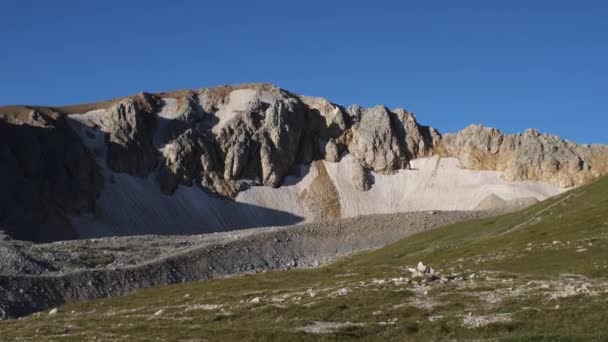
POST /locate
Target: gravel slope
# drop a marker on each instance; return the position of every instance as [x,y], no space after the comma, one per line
[38,276]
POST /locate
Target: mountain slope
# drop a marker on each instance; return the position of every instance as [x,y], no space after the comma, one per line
[539,274]
[254,155]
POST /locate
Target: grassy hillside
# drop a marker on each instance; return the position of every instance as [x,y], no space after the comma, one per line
[539,274]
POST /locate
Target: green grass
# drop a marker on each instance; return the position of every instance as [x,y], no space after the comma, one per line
[580,217]
[507,256]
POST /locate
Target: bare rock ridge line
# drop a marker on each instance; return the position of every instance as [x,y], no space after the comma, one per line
[56,161]
[530,155]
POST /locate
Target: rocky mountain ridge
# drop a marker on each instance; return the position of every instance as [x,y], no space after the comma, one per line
[227,139]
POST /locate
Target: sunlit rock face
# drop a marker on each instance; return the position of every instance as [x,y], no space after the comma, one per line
[527,156]
[251,155]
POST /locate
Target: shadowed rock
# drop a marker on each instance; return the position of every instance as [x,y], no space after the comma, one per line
[46,174]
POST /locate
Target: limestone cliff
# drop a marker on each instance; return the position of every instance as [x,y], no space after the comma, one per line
[224,140]
[527,156]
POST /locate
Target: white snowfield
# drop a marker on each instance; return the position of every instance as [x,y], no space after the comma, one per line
[132,205]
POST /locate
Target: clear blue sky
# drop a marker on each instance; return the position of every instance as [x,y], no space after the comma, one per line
[508,64]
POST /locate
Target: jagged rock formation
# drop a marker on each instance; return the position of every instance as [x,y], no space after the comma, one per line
[526,156]
[375,142]
[260,142]
[261,131]
[228,139]
[130,124]
[419,141]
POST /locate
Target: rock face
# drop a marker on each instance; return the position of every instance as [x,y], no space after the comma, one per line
[376,143]
[46,174]
[527,156]
[419,141]
[191,156]
[243,137]
[260,143]
[326,133]
[131,124]
[227,139]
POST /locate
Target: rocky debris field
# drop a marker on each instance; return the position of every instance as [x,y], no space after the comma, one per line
[537,274]
[37,276]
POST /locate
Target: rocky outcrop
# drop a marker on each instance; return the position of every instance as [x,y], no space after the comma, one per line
[327,131]
[376,143]
[190,157]
[130,124]
[254,144]
[227,139]
[419,141]
[261,144]
[527,156]
[46,174]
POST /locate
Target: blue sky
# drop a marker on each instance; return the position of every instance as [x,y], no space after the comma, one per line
[508,64]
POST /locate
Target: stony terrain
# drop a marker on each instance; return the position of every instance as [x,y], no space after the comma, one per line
[537,274]
[206,160]
[37,276]
[106,199]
